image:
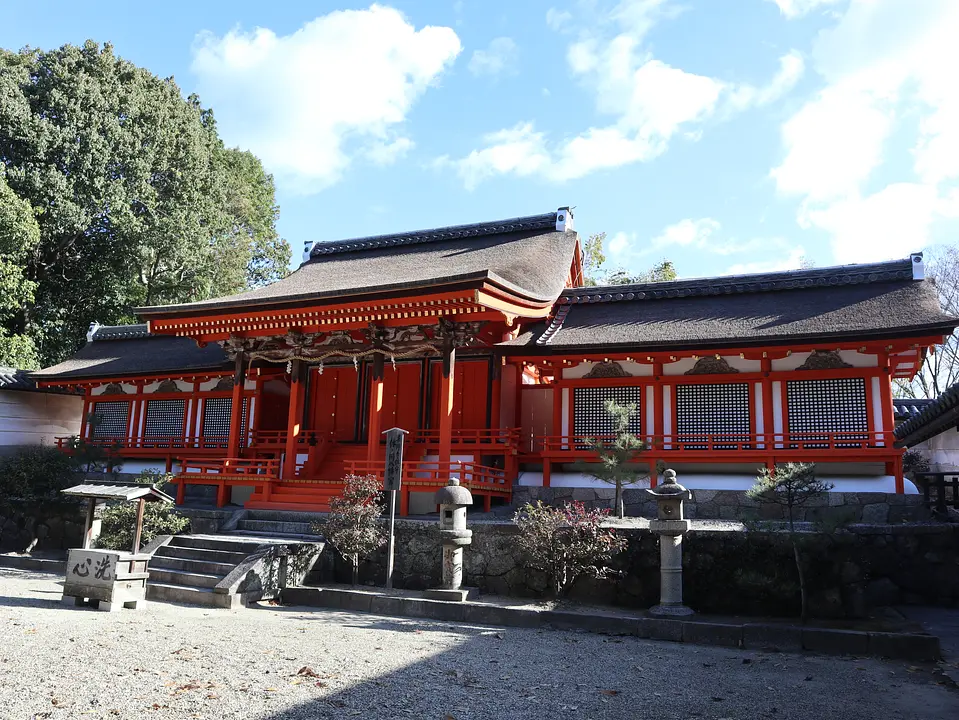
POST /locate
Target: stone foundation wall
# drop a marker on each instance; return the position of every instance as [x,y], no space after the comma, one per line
[58,527]
[727,572]
[875,508]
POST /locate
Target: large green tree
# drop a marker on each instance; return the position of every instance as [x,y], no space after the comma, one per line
[595,271]
[136,199]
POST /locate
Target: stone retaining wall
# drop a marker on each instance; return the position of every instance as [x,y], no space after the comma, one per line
[875,508]
[727,572]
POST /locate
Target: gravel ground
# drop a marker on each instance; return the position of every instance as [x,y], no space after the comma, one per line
[176,662]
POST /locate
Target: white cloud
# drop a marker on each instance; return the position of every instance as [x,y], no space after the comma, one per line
[884,61]
[795,255]
[793,9]
[688,233]
[647,102]
[520,150]
[499,57]
[791,68]
[309,102]
[620,242]
[558,20]
[888,224]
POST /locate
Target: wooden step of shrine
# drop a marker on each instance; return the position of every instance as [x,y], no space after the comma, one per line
[295,496]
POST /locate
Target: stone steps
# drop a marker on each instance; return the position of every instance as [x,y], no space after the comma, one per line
[184,594]
[276,527]
[192,553]
[183,577]
[206,542]
[190,566]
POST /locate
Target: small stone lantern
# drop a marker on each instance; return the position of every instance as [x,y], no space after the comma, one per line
[670,525]
[453,501]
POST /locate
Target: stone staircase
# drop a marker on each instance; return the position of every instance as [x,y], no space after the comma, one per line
[282,524]
[188,568]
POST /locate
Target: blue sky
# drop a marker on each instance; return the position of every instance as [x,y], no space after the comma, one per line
[728,136]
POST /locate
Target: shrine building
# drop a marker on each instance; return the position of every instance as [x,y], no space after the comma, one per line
[484,342]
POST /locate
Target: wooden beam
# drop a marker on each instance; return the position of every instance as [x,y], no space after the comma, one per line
[294,419]
[138,531]
[236,409]
[446,404]
[376,408]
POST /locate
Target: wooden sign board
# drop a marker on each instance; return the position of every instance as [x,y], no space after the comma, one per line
[393,474]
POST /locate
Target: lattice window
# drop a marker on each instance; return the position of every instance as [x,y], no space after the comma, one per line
[827,406]
[589,412]
[720,412]
[164,421]
[110,419]
[216,421]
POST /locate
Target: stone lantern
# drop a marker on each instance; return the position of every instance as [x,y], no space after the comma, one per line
[453,501]
[670,525]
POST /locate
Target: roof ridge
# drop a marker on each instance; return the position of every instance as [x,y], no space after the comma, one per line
[452,232]
[736,284]
[120,332]
[948,399]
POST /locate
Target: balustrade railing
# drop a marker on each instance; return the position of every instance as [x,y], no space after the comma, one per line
[261,468]
[435,473]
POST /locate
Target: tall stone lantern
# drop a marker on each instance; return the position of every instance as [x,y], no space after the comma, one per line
[453,501]
[670,525]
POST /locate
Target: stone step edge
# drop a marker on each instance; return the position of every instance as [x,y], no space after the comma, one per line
[699,631]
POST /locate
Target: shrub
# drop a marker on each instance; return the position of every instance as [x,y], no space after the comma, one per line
[119,522]
[566,543]
[31,479]
[790,486]
[353,526]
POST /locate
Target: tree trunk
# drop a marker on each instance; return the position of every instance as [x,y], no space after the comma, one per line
[804,602]
[620,510]
[356,570]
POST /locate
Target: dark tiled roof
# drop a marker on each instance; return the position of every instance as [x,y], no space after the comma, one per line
[906,408]
[860,301]
[939,415]
[120,332]
[118,351]
[527,256]
[13,379]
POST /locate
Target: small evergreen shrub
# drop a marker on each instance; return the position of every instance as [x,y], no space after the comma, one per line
[353,526]
[118,522]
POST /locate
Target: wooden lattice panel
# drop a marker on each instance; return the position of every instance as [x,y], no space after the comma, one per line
[216,419]
[111,419]
[720,410]
[827,406]
[164,418]
[589,412]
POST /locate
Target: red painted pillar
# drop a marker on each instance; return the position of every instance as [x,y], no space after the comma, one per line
[766,366]
[376,409]
[888,416]
[236,410]
[446,406]
[659,419]
[294,419]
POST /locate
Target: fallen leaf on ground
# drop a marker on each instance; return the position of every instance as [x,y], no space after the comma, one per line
[610,692]
[307,671]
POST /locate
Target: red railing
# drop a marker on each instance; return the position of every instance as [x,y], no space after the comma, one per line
[432,473]
[254,468]
[741,442]
[505,438]
[177,442]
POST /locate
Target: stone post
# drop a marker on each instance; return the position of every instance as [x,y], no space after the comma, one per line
[453,501]
[670,525]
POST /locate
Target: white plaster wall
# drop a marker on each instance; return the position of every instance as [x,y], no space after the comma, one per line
[942,451]
[182,385]
[758,407]
[209,384]
[32,418]
[716,481]
[681,367]
[667,412]
[854,358]
[127,388]
[777,408]
[564,415]
[633,368]
[132,467]
[875,387]
[649,400]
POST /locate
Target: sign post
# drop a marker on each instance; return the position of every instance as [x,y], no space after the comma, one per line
[392,479]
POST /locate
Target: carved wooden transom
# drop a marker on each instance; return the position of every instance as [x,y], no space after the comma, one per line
[224,383]
[114,389]
[711,366]
[168,386]
[824,360]
[607,369]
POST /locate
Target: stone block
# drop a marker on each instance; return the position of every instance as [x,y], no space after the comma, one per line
[662,629]
[504,616]
[605,624]
[712,633]
[705,496]
[875,514]
[386,605]
[905,646]
[779,638]
[606,494]
[835,642]
[728,512]
[434,610]
[355,601]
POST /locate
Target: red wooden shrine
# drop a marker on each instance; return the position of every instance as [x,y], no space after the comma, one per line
[482,342]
